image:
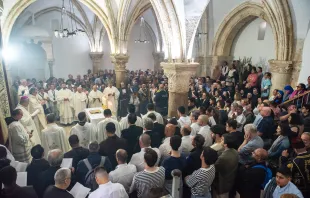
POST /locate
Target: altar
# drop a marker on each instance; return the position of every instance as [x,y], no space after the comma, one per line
[93,117]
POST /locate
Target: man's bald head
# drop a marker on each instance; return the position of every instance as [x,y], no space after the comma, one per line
[121,156]
[79,89]
[265,112]
[145,140]
[203,120]
[169,130]
[55,157]
[186,130]
[260,155]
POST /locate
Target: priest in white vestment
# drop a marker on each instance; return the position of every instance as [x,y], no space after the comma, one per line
[19,139]
[85,131]
[151,109]
[64,100]
[54,136]
[43,98]
[27,120]
[79,101]
[95,98]
[52,95]
[36,109]
[102,132]
[110,98]
[124,121]
[23,88]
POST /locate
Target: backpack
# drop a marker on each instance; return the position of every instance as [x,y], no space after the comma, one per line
[90,181]
[268,176]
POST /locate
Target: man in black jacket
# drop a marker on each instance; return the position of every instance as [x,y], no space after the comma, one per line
[132,135]
[251,177]
[37,165]
[159,128]
[161,101]
[148,127]
[77,152]
[109,146]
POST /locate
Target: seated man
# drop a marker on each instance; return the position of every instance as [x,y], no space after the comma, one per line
[138,158]
[62,182]
[123,172]
[151,177]
[77,152]
[92,161]
[107,188]
[8,177]
[251,142]
[37,165]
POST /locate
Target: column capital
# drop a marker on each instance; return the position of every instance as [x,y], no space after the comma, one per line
[120,61]
[281,67]
[159,55]
[96,56]
[178,75]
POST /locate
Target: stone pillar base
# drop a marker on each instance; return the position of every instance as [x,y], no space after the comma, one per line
[178,81]
[96,57]
[281,73]
[120,61]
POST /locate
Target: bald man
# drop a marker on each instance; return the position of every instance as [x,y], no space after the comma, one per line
[266,128]
[251,177]
[205,129]
[165,147]
[79,102]
[95,98]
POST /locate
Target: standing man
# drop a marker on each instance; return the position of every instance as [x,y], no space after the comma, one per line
[123,100]
[36,109]
[64,99]
[52,94]
[95,98]
[143,95]
[19,139]
[79,101]
[110,98]
[23,88]
[27,120]
[161,101]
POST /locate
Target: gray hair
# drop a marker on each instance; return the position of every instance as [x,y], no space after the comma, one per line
[93,147]
[55,157]
[148,124]
[61,175]
[251,128]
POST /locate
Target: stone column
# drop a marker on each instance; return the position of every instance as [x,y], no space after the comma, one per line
[51,67]
[158,58]
[178,80]
[96,57]
[119,61]
[281,73]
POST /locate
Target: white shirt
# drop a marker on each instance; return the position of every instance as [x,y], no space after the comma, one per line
[195,128]
[159,118]
[137,159]
[212,121]
[184,121]
[186,145]
[109,190]
[206,133]
[123,174]
[165,148]
[125,125]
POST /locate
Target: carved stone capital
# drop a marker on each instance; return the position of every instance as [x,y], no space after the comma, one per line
[159,56]
[178,75]
[96,56]
[281,67]
[119,61]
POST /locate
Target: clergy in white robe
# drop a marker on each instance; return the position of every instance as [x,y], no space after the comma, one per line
[19,139]
[95,98]
[36,110]
[43,98]
[23,88]
[64,100]
[110,98]
[52,95]
[124,121]
[79,101]
[85,131]
[54,136]
[27,120]
[151,109]
[102,132]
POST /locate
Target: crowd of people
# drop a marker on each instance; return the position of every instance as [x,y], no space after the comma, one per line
[231,138]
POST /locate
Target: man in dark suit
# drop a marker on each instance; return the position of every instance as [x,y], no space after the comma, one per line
[132,135]
[148,126]
[109,146]
[159,128]
[204,101]
[37,165]
[77,152]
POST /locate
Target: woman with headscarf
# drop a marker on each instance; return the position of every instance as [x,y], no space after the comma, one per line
[288,90]
[279,98]
[301,88]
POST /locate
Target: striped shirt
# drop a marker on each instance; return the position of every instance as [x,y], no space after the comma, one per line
[201,180]
[144,181]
